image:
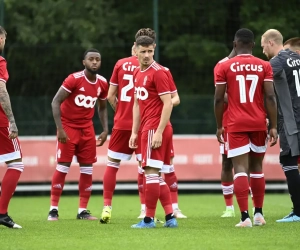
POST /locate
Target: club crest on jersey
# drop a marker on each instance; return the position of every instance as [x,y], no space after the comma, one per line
[145,80]
[98,91]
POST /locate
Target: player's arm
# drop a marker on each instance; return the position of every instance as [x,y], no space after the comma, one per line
[135,123]
[164,119]
[112,96]
[175,99]
[271,104]
[218,108]
[135,116]
[58,99]
[219,103]
[166,112]
[102,113]
[6,106]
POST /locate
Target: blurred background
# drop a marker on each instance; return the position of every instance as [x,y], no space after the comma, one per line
[46,40]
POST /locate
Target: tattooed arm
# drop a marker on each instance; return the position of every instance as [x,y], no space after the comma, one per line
[6,106]
[58,99]
[112,96]
[102,113]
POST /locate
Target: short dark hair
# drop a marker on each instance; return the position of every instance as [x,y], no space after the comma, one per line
[144,41]
[146,32]
[245,36]
[293,42]
[90,50]
[2,31]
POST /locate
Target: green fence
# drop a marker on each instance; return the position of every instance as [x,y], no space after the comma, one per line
[193,116]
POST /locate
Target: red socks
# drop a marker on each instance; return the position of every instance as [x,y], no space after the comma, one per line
[152,194]
[241,190]
[172,182]
[141,187]
[227,188]
[85,186]
[9,184]
[58,182]
[109,181]
[165,197]
[258,186]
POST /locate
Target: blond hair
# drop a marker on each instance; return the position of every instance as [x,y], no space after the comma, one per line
[273,35]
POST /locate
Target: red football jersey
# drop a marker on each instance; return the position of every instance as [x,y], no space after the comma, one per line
[122,77]
[245,76]
[77,110]
[225,114]
[3,77]
[150,84]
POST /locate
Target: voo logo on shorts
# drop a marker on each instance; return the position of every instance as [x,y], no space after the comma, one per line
[85,101]
[141,93]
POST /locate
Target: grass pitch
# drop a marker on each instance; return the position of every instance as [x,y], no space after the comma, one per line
[204,229]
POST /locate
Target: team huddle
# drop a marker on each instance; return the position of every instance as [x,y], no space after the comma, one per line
[251,105]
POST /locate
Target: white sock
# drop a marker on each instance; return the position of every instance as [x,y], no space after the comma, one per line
[53,207]
[175,206]
[232,207]
[80,210]
[143,207]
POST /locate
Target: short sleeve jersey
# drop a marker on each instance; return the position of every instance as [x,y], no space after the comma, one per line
[245,76]
[224,122]
[4,78]
[150,84]
[77,110]
[122,77]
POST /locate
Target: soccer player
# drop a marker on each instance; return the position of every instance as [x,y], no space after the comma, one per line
[120,97]
[73,110]
[226,174]
[10,149]
[168,171]
[248,80]
[286,70]
[151,111]
[294,45]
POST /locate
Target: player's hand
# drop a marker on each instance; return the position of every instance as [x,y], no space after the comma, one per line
[62,136]
[13,131]
[219,135]
[156,140]
[273,136]
[101,139]
[133,141]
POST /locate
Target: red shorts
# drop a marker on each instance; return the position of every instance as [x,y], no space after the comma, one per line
[299,160]
[240,143]
[224,147]
[156,158]
[81,143]
[9,149]
[118,147]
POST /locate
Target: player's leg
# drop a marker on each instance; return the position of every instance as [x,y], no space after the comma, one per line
[227,179]
[258,146]
[152,161]
[141,178]
[10,153]
[172,182]
[290,168]
[239,147]
[86,156]
[64,155]
[166,151]
[118,150]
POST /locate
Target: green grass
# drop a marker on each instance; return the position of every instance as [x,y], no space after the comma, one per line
[204,229]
